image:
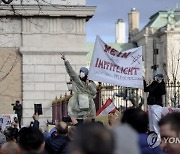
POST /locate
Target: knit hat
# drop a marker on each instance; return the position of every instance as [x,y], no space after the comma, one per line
[85,70]
[159,75]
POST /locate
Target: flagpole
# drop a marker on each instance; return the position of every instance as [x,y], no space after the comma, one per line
[126,96]
[137,98]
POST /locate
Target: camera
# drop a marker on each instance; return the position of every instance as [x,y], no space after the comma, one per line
[12,104]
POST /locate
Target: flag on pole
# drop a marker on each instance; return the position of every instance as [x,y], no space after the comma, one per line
[107,108]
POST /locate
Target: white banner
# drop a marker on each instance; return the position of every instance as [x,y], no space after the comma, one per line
[168,110]
[7,120]
[119,68]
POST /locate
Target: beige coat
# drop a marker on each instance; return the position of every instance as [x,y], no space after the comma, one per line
[80,87]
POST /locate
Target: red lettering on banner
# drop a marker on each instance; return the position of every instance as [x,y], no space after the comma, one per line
[118,55]
[115,68]
[135,72]
[111,66]
[130,71]
[108,63]
[100,64]
[125,55]
[97,62]
[125,70]
[107,48]
[122,69]
[114,52]
[105,63]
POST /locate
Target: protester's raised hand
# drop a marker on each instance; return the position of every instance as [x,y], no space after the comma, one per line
[36,116]
[63,56]
[74,121]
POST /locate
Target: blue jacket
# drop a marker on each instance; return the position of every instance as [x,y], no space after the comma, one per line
[36,124]
[144,147]
[56,145]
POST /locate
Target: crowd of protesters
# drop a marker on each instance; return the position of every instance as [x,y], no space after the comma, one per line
[128,136]
[126,133]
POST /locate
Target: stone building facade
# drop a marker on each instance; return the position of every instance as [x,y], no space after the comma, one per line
[39,34]
[160,41]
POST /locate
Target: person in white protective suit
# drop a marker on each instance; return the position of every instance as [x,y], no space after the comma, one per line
[156,90]
[81,104]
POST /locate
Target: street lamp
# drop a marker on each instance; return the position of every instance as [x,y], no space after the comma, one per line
[69,85]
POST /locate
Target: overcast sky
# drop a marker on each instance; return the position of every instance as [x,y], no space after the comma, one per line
[108,11]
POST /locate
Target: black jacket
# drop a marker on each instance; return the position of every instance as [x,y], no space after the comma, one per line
[18,109]
[156,90]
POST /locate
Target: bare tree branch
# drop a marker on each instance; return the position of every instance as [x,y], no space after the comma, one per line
[12,97]
[12,66]
[4,63]
[40,9]
[177,66]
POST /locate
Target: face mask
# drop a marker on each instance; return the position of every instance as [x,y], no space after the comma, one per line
[155,78]
[82,75]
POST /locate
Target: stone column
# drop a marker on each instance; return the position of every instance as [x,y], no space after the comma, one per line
[43,38]
[40,34]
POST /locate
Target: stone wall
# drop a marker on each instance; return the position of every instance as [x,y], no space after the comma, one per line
[44,78]
[40,37]
[10,79]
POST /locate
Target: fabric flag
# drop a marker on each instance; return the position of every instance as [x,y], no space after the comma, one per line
[168,110]
[107,108]
[119,68]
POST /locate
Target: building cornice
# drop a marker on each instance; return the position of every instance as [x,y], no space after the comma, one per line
[167,30]
[44,10]
[53,51]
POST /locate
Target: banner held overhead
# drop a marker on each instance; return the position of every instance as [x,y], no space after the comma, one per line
[119,68]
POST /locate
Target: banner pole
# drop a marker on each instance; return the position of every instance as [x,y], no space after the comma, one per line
[126,97]
[137,98]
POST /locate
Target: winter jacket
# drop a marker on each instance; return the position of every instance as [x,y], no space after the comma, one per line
[156,90]
[36,124]
[18,109]
[80,87]
[56,145]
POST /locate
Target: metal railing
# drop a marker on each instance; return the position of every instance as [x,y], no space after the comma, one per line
[129,97]
[59,107]
[173,94]
[122,97]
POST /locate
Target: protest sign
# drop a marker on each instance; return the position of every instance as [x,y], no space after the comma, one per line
[119,68]
[6,120]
